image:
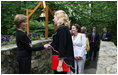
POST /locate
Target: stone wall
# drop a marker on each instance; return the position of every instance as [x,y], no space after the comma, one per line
[107,59]
[41,60]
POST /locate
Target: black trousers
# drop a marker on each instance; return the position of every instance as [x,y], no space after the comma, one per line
[93,49]
[55,72]
[24,65]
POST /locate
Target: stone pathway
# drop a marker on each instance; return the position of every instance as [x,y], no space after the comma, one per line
[106,62]
[91,68]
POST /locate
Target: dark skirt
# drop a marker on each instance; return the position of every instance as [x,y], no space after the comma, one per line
[24,65]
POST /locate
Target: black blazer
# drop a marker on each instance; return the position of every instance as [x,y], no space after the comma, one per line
[108,35]
[96,39]
[23,47]
[62,45]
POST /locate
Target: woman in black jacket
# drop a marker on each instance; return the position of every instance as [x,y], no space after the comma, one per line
[62,53]
[24,46]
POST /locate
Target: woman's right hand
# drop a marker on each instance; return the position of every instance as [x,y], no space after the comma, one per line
[30,44]
[77,57]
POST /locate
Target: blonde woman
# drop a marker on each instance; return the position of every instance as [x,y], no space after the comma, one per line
[84,31]
[79,45]
[62,53]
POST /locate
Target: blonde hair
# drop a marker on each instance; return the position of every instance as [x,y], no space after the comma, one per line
[83,29]
[62,18]
[19,18]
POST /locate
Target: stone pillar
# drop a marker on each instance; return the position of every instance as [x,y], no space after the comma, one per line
[107,58]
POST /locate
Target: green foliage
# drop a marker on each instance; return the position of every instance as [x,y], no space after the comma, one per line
[12,30]
[10,39]
[100,14]
[39,28]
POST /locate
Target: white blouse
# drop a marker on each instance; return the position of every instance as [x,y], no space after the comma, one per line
[79,45]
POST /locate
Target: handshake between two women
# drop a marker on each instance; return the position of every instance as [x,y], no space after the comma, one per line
[47,46]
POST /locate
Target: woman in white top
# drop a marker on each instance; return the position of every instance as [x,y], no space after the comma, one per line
[79,45]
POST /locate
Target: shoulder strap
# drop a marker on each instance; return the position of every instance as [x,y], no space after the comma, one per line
[81,36]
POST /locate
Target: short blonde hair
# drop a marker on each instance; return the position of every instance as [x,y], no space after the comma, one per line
[62,18]
[83,29]
[19,18]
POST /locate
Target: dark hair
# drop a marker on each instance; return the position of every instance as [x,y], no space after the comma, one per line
[77,27]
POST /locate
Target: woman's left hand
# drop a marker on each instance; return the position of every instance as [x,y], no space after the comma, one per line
[59,69]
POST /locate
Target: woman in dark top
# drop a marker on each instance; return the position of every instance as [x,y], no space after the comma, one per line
[62,53]
[24,46]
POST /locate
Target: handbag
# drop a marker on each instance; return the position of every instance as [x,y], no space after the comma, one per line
[55,61]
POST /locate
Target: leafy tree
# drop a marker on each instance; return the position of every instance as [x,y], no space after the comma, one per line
[85,13]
